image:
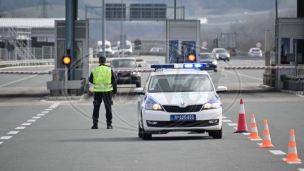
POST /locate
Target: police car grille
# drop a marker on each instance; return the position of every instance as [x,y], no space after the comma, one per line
[123,74]
[177,109]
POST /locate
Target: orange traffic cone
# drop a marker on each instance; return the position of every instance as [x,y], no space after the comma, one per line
[292,155]
[254,135]
[266,143]
[242,125]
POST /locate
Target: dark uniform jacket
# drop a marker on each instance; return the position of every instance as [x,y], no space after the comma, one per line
[113,80]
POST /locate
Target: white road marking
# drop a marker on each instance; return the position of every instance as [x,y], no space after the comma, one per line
[277,152]
[36,117]
[301,169]
[20,128]
[244,75]
[31,120]
[246,133]
[224,117]
[235,127]
[40,114]
[1,143]
[48,109]
[292,162]
[227,121]
[17,80]
[13,132]
[45,111]
[232,124]
[22,79]
[26,124]
[259,144]
[54,105]
[5,137]
[258,139]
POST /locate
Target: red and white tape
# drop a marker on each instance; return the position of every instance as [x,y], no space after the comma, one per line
[260,67]
[24,72]
[123,71]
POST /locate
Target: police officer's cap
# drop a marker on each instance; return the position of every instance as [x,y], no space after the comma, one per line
[102,59]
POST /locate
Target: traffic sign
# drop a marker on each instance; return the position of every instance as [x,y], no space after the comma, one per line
[137,43]
[258,45]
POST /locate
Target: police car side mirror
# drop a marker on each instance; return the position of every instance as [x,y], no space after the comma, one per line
[221,89]
[139,91]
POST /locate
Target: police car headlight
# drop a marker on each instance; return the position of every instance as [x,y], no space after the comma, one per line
[217,55]
[228,55]
[213,103]
[151,104]
[214,62]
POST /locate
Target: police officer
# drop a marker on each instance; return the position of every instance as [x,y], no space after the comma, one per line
[105,89]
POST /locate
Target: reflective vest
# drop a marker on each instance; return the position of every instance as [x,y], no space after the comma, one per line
[102,79]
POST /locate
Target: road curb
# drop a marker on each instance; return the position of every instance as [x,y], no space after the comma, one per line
[69,97]
[292,92]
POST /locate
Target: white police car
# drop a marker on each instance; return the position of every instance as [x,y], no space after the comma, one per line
[179,97]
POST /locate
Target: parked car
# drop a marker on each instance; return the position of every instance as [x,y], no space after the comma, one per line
[209,59]
[221,54]
[116,50]
[255,52]
[118,64]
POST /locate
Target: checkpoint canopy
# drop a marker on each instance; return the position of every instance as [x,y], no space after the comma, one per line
[182,39]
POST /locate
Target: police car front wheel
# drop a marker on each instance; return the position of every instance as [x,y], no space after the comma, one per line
[216,134]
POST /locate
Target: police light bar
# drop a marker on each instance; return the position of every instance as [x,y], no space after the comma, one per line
[180,66]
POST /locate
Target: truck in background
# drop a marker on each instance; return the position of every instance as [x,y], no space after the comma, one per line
[127,47]
[227,41]
[108,48]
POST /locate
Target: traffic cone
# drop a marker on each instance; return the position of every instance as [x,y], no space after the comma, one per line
[254,135]
[292,155]
[242,126]
[266,143]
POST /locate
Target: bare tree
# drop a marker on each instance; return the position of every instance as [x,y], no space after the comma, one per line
[2,14]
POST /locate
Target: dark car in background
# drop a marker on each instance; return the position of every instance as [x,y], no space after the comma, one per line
[123,64]
[209,59]
[221,54]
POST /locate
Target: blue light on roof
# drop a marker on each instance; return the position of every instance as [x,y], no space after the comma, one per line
[158,66]
[180,66]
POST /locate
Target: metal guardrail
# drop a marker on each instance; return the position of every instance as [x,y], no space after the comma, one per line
[26,62]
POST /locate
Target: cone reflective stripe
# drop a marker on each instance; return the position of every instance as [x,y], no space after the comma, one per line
[242,125]
[266,143]
[292,155]
[254,135]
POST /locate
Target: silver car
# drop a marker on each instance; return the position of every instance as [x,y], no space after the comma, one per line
[221,54]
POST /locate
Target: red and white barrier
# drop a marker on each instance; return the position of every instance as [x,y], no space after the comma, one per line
[25,72]
[142,70]
[259,67]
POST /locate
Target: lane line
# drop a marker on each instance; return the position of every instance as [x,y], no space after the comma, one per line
[232,124]
[54,105]
[48,109]
[224,117]
[31,120]
[26,124]
[45,111]
[235,127]
[243,75]
[20,127]
[5,137]
[259,139]
[277,152]
[259,144]
[246,133]
[13,132]
[301,169]
[36,117]
[9,83]
[40,114]
[1,143]
[227,121]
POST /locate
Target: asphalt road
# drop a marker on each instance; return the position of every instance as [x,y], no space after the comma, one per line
[56,135]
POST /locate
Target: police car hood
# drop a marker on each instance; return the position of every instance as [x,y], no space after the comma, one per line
[177,98]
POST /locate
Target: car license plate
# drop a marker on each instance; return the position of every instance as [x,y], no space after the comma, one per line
[183,117]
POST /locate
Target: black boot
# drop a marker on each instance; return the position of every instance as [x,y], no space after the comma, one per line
[109,127]
[94,127]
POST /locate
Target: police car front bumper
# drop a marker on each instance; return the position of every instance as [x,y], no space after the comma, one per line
[159,121]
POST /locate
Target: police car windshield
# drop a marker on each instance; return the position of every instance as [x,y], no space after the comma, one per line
[126,63]
[221,51]
[206,56]
[180,83]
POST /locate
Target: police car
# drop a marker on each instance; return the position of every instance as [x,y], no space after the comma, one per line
[179,97]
